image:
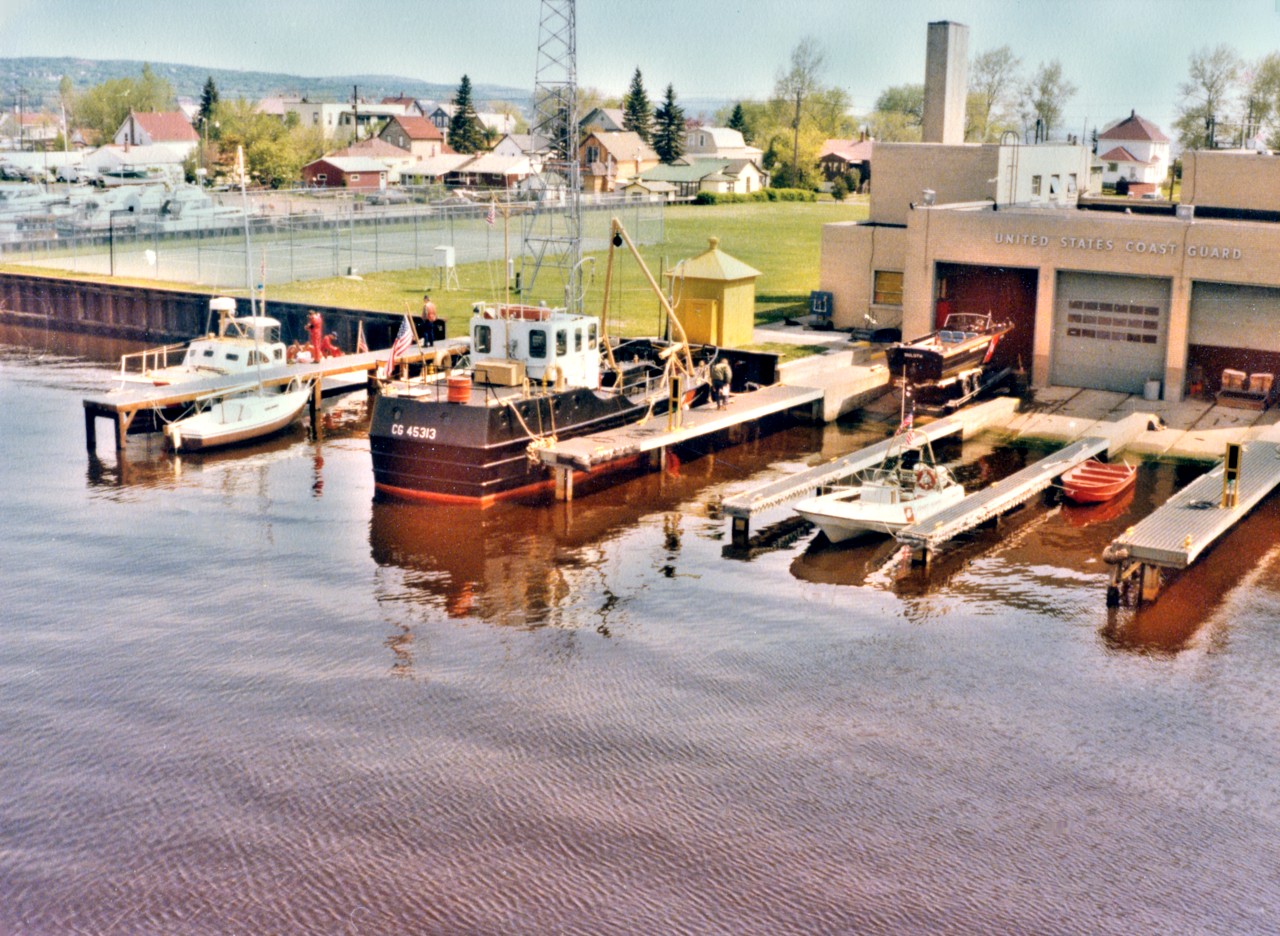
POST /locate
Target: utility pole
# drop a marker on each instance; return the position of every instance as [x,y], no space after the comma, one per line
[355,111]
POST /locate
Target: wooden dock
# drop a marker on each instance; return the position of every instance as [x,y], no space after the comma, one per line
[656,435]
[1176,533]
[742,507]
[992,502]
[123,405]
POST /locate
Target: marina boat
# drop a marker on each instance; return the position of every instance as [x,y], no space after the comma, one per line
[252,413]
[908,486]
[537,374]
[1094,482]
[965,341]
[239,345]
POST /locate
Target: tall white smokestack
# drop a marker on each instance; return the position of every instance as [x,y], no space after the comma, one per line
[946,82]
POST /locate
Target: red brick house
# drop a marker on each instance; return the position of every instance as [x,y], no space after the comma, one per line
[352,172]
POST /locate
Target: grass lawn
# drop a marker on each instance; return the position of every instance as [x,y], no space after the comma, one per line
[780,239]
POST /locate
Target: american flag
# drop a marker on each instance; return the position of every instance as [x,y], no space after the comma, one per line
[908,425]
[492,216]
[404,338]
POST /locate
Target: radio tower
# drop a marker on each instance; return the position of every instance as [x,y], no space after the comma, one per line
[554,233]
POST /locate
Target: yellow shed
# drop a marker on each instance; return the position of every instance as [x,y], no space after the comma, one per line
[715,297]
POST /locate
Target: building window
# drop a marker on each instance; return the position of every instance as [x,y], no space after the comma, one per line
[1035,186]
[1055,186]
[321,178]
[888,289]
[562,342]
[537,343]
[593,154]
[1071,184]
[483,339]
[354,177]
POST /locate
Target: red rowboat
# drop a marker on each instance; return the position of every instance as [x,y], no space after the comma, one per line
[1093,482]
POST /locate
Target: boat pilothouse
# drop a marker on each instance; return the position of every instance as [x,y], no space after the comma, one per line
[240,344]
[552,346]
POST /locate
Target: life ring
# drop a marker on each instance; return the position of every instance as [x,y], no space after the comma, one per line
[926,478]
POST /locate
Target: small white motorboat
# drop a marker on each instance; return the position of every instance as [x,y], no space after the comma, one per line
[887,498]
[240,417]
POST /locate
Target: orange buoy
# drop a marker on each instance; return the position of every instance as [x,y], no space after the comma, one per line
[459,388]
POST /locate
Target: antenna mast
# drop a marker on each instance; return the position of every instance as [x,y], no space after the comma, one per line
[554,233]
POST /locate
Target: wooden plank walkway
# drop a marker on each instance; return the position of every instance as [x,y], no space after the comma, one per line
[123,404]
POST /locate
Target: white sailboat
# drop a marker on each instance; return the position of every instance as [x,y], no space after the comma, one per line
[901,491]
[244,413]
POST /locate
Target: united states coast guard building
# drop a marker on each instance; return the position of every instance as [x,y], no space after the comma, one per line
[1104,293]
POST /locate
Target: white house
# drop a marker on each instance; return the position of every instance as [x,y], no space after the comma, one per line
[719,143]
[1136,151]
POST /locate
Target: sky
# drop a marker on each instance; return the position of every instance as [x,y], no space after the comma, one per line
[1122,54]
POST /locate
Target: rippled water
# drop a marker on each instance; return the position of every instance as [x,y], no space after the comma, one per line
[237,695]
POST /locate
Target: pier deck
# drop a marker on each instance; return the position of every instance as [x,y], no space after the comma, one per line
[583,453]
[1176,533]
[123,405]
[1020,487]
[742,507]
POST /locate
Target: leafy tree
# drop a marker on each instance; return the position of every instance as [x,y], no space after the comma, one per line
[668,131]
[839,189]
[208,101]
[1044,97]
[898,114]
[738,121]
[1262,111]
[105,106]
[637,113]
[993,77]
[797,83]
[1212,78]
[466,135]
[829,109]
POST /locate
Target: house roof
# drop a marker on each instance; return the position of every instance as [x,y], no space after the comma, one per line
[493,164]
[624,145]
[1134,127]
[695,171]
[651,185]
[271,105]
[1120,154]
[529,142]
[602,117]
[721,137]
[417,128]
[373,148]
[166,126]
[713,264]
[848,150]
[347,164]
[436,166]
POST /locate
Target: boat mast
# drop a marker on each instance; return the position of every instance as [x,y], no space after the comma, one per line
[554,233]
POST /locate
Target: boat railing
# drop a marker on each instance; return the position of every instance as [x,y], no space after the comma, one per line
[151,358]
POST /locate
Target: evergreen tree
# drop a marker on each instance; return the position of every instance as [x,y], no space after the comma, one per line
[738,121]
[466,135]
[637,114]
[208,101]
[668,131]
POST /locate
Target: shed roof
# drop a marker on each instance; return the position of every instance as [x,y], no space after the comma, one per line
[713,264]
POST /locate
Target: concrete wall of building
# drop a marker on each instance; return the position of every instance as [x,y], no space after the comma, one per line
[904,170]
[1018,167]
[1248,181]
[851,253]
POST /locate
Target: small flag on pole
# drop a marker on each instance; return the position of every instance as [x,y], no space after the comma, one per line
[361,344]
[492,216]
[908,425]
[404,339]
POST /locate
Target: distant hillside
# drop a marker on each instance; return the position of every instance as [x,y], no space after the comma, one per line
[40,76]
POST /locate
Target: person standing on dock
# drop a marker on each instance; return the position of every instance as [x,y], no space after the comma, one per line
[428,321]
[721,377]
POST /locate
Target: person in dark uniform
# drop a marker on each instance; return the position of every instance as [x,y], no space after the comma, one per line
[721,377]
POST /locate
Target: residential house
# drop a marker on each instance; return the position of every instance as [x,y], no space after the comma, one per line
[271,106]
[435,170]
[342,117]
[837,157]
[394,159]
[608,119]
[610,160]
[418,135]
[1134,152]
[489,170]
[165,128]
[737,176]
[351,172]
[490,121]
[523,144]
[412,108]
[28,130]
[719,142]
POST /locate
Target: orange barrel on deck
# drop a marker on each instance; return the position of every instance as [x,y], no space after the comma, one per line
[459,388]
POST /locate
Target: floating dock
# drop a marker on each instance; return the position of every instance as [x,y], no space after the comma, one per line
[123,405]
[1015,490]
[656,434]
[742,507]
[1189,522]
